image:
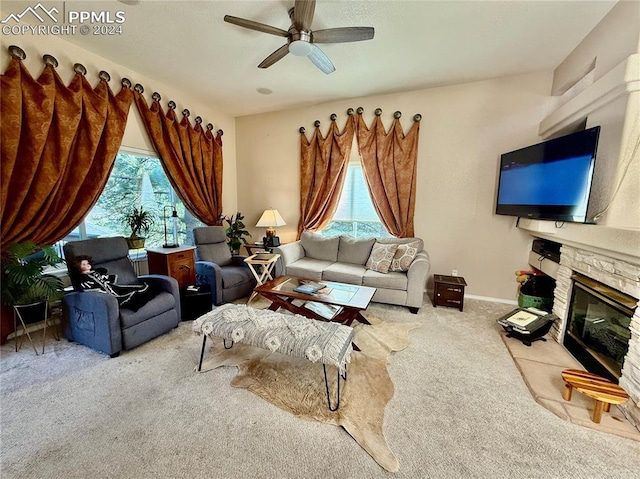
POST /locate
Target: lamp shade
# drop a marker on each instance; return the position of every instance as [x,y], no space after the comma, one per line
[270,218]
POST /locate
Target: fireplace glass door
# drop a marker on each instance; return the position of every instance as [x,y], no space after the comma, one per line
[598,329]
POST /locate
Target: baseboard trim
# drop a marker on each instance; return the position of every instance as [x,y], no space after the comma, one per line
[429,293]
[493,300]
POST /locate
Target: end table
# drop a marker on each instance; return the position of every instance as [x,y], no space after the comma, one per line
[448,291]
[264,262]
[195,301]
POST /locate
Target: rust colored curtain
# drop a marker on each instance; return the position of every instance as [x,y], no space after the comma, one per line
[323,167]
[59,145]
[191,158]
[389,163]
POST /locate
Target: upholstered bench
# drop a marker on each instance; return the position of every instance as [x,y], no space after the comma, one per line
[293,335]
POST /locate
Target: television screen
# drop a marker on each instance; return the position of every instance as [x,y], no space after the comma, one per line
[550,180]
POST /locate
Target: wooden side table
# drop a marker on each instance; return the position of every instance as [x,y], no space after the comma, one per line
[251,247]
[448,291]
[265,262]
[179,263]
[602,390]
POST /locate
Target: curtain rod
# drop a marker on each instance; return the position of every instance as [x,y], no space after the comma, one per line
[378,111]
[18,53]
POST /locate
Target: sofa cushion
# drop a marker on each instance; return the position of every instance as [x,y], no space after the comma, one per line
[391,280]
[308,268]
[344,273]
[405,254]
[232,276]
[354,250]
[381,257]
[161,303]
[319,247]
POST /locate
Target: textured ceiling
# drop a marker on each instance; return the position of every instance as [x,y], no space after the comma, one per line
[417,44]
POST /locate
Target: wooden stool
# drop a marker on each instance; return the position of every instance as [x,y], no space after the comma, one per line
[602,390]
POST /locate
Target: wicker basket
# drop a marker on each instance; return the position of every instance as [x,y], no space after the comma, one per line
[526,301]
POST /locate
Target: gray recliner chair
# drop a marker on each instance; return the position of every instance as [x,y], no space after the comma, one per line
[228,276]
[96,320]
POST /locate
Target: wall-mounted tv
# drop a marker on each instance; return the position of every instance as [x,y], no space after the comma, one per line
[550,180]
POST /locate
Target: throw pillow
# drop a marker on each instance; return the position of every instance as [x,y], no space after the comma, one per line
[404,256]
[381,257]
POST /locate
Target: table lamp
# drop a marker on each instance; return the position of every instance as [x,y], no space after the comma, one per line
[174,216]
[269,219]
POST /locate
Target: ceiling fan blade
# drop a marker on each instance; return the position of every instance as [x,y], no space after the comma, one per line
[343,35]
[321,60]
[303,14]
[279,54]
[260,27]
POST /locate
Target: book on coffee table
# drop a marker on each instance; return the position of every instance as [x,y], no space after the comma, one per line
[309,287]
[327,311]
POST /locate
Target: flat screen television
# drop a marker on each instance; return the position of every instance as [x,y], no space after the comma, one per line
[550,180]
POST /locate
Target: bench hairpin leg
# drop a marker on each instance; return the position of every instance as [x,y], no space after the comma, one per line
[326,386]
[204,342]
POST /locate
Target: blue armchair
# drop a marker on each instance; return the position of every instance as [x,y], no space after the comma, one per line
[229,276]
[96,320]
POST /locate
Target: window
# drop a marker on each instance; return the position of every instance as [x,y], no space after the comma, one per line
[137,179]
[355,215]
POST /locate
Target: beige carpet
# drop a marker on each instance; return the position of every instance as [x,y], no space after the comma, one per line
[297,385]
[460,410]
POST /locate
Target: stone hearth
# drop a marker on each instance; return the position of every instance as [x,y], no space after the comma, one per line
[620,275]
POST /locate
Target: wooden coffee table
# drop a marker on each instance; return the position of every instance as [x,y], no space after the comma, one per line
[338,302]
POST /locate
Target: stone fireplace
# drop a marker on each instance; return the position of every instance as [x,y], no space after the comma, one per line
[620,275]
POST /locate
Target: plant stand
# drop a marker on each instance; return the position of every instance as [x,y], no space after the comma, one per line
[31,314]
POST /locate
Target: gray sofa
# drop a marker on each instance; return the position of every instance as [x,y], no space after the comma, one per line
[345,259]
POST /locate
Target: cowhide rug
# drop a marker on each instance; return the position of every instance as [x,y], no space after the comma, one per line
[297,385]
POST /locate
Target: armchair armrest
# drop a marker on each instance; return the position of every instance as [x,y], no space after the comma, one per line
[289,253]
[92,318]
[417,279]
[165,283]
[211,274]
[238,260]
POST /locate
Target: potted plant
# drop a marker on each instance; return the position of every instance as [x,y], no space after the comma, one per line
[24,284]
[140,221]
[236,232]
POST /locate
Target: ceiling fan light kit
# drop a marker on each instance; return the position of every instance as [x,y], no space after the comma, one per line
[300,48]
[301,39]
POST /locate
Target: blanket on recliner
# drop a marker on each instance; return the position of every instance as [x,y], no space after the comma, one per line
[129,296]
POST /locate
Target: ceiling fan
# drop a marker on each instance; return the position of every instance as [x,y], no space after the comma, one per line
[301,40]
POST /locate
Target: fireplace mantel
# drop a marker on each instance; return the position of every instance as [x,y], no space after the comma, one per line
[618,243]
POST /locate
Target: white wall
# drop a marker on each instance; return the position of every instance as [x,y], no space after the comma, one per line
[135,135]
[613,102]
[464,130]
[611,41]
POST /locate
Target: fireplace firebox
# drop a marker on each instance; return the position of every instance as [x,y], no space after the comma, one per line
[598,331]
